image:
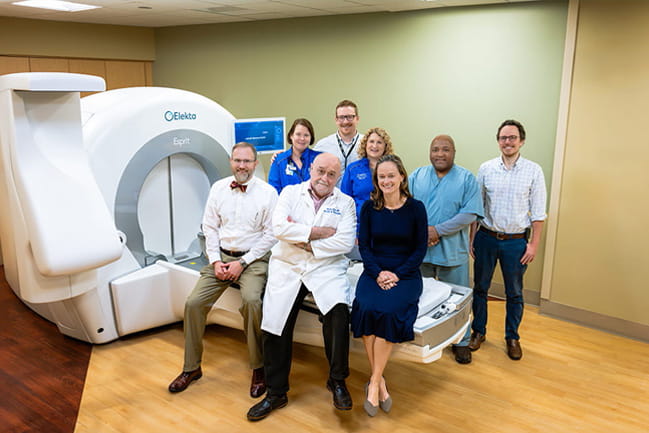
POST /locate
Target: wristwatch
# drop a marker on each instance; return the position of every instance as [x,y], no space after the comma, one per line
[243,263]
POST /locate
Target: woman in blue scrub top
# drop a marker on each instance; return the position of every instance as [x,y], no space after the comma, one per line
[292,166]
[357,181]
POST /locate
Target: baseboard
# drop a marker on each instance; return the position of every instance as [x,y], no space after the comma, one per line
[613,325]
[531,297]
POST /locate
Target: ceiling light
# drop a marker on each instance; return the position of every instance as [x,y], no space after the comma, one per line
[56,5]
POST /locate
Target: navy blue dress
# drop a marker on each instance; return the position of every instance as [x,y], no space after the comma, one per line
[390,240]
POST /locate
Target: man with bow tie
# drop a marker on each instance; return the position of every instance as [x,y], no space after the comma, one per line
[238,238]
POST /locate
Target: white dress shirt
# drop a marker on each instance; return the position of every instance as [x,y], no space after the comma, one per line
[512,198]
[239,221]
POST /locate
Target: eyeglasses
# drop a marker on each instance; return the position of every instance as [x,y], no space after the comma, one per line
[243,161]
[348,117]
[507,137]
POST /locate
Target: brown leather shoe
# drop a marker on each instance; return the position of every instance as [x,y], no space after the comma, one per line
[514,350]
[462,354]
[184,379]
[476,340]
[258,383]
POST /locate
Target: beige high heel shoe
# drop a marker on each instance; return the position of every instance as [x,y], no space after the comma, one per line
[386,405]
[369,407]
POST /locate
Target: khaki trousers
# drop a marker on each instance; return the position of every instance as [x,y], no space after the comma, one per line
[207,291]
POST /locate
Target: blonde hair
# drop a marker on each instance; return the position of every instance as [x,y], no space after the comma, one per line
[362,151]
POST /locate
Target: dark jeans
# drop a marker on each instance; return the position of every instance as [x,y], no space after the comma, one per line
[487,251]
[278,348]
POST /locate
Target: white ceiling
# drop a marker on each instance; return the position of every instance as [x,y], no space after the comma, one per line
[162,13]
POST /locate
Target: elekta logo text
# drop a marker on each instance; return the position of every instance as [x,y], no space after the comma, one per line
[177,115]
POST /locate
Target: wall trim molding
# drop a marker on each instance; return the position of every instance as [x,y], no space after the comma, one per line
[613,325]
[552,224]
[602,322]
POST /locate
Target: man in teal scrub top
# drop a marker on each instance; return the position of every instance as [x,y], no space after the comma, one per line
[453,202]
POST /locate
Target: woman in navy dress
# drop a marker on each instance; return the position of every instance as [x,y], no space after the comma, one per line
[392,240]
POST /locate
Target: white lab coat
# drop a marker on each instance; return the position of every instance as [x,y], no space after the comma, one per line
[323,272]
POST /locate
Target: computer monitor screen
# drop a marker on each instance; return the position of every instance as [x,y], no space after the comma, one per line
[267,134]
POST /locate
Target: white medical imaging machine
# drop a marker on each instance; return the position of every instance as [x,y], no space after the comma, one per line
[101,201]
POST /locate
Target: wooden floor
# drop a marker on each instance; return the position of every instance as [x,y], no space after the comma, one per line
[42,372]
[571,379]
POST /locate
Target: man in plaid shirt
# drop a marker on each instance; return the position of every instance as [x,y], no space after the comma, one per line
[514,196]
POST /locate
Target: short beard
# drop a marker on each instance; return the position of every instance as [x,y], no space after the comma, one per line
[237,176]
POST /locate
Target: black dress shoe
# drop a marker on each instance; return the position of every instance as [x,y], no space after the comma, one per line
[476,340]
[262,409]
[342,398]
[514,350]
[258,383]
[184,379]
[462,354]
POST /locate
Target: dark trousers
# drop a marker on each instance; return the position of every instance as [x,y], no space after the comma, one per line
[489,250]
[278,348]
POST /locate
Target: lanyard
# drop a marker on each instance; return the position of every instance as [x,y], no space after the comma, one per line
[296,170]
[342,149]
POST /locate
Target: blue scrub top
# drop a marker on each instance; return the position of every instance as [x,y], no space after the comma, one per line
[283,170]
[457,192]
[357,183]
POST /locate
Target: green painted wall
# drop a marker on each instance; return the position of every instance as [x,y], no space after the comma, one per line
[417,74]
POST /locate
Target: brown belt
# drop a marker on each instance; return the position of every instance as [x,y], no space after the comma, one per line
[503,236]
[233,253]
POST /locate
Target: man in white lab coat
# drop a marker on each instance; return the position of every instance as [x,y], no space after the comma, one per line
[315,224]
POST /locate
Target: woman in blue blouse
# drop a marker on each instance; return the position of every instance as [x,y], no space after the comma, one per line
[357,180]
[392,239]
[292,166]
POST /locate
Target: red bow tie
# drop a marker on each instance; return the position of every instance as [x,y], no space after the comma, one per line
[236,184]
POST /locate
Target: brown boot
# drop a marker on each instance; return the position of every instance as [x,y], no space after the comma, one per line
[514,350]
[476,340]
